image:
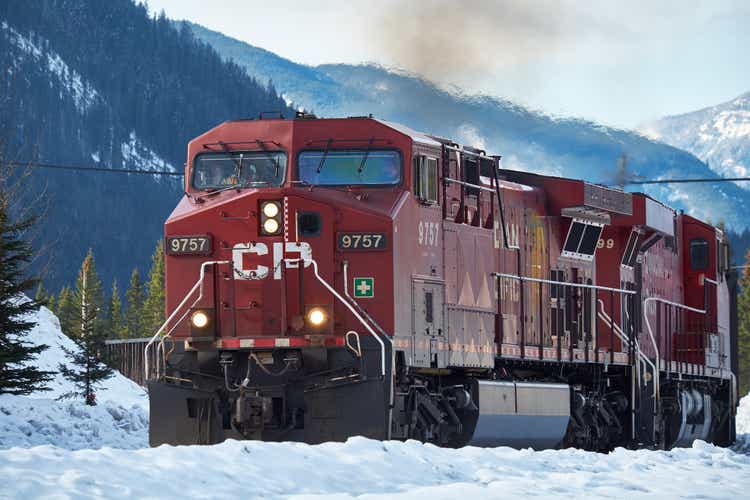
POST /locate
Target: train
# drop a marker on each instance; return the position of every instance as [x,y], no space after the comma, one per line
[339,277]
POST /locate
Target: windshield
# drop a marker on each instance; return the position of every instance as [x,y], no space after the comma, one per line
[241,169]
[346,168]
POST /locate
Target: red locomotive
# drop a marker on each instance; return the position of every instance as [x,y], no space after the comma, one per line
[327,278]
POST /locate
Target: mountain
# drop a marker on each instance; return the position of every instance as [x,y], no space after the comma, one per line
[528,140]
[718,135]
[104,84]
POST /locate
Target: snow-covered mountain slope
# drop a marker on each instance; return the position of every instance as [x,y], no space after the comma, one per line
[528,140]
[119,420]
[719,135]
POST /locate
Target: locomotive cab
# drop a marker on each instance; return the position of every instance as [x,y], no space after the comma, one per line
[289,228]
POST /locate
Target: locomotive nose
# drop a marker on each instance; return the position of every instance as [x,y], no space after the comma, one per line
[271,290]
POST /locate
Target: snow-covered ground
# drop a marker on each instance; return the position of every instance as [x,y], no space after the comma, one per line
[119,420]
[81,455]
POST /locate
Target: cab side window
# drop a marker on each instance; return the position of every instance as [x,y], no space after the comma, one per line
[426,179]
[698,254]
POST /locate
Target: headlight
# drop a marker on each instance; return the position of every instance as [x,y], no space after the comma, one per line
[270,218]
[270,226]
[270,209]
[199,319]
[316,316]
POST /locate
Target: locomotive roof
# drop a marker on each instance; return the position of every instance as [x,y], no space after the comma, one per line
[415,136]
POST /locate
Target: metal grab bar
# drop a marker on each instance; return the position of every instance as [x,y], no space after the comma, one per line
[348,306]
[564,283]
[393,352]
[468,184]
[198,285]
[621,335]
[653,339]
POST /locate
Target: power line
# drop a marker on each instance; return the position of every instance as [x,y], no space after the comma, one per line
[92,168]
[683,181]
[143,171]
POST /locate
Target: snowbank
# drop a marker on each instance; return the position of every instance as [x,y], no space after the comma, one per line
[365,467]
[72,425]
[119,420]
[118,388]
[123,466]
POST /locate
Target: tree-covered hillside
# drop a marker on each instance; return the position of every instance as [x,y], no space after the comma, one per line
[94,83]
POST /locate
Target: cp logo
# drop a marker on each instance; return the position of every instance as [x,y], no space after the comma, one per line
[279,250]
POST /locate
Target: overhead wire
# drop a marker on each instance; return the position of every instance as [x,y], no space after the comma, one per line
[146,171]
[92,168]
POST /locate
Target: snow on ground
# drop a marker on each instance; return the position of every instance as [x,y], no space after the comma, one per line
[362,467]
[46,450]
[119,420]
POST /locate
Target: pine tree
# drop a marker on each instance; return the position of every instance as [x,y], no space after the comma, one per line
[65,310]
[95,296]
[17,373]
[743,313]
[41,295]
[88,368]
[134,314]
[115,321]
[52,303]
[153,309]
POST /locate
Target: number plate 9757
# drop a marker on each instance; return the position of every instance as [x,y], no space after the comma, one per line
[361,241]
[188,245]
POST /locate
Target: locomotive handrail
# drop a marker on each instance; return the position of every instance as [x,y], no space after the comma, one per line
[198,285]
[621,335]
[393,353]
[642,358]
[564,283]
[646,301]
[468,184]
[348,306]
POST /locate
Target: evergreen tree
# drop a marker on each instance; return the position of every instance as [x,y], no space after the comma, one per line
[41,294]
[115,320]
[95,296]
[65,310]
[153,309]
[87,367]
[134,314]
[52,304]
[743,313]
[17,375]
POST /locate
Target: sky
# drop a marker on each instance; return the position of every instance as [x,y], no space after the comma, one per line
[619,63]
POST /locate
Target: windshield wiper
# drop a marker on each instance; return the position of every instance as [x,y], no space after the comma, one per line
[271,157]
[364,158]
[323,158]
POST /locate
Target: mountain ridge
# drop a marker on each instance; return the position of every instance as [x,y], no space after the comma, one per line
[718,135]
[529,140]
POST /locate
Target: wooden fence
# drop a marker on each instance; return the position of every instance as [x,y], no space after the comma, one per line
[126,355]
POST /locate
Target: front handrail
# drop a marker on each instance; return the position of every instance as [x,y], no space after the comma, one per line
[198,285]
[351,308]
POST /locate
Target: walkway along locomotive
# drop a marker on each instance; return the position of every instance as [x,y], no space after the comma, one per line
[327,278]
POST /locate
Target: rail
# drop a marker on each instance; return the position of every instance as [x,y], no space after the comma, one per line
[351,308]
[126,355]
[564,283]
[659,300]
[469,184]
[642,360]
[586,329]
[198,286]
